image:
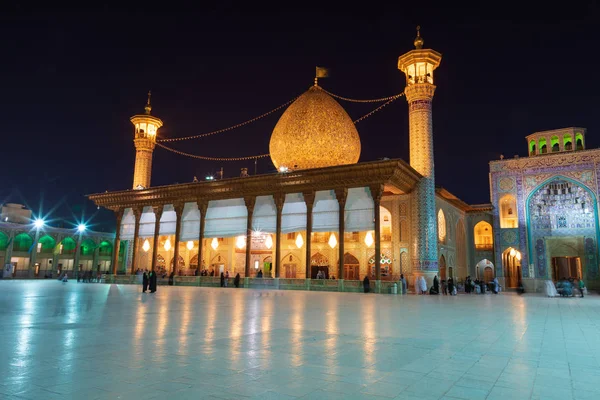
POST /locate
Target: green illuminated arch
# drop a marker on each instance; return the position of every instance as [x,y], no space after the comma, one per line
[68,245]
[543,146]
[532,147]
[22,242]
[568,142]
[3,241]
[48,243]
[554,143]
[579,141]
[87,247]
[105,248]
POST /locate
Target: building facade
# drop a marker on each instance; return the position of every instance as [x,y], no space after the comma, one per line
[30,250]
[546,211]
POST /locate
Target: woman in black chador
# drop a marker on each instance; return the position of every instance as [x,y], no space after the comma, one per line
[152,281]
[236,281]
[145,282]
[435,289]
[366,284]
[222,279]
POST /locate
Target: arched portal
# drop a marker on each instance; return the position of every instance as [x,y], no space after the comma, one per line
[22,242]
[87,247]
[318,262]
[289,264]
[47,244]
[485,270]
[511,264]
[218,264]
[442,267]
[562,229]
[180,264]
[351,267]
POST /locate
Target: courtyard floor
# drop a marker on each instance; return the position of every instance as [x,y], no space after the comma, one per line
[97,341]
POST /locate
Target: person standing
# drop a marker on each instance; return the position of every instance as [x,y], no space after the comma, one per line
[144,282]
[222,279]
[366,284]
[226,278]
[581,286]
[404,285]
[444,290]
[236,280]
[152,281]
[450,286]
[423,285]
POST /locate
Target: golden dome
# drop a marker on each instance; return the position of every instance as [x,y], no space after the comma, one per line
[314,132]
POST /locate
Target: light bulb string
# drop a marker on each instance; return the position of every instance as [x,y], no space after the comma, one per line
[231,127]
[394,97]
[207,158]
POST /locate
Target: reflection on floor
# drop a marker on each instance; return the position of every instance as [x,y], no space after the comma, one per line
[96,341]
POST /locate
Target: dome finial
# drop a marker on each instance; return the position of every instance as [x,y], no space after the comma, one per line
[419,40]
[148,107]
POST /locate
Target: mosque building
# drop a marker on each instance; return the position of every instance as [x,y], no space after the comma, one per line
[336,218]
[30,248]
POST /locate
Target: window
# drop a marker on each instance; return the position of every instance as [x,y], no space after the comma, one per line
[543,147]
[441,226]
[484,237]
[554,142]
[532,148]
[568,142]
[508,212]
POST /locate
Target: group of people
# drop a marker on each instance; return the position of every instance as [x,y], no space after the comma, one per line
[225,279]
[565,287]
[149,281]
[89,276]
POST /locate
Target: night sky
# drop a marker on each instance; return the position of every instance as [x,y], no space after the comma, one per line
[71,79]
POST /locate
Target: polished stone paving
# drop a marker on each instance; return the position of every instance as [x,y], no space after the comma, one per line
[97,341]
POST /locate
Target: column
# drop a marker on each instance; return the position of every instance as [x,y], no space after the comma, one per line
[250,201]
[117,244]
[376,192]
[137,212]
[341,195]
[178,213]
[9,251]
[158,210]
[279,199]
[76,257]
[309,200]
[33,253]
[94,260]
[202,206]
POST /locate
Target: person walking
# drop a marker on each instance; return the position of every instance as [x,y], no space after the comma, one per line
[444,290]
[581,286]
[222,279]
[226,278]
[236,280]
[144,282]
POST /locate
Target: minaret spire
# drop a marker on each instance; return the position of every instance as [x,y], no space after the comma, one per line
[148,107]
[419,40]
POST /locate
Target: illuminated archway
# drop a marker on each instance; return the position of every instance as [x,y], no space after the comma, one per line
[22,242]
[441,226]
[508,212]
[484,236]
[47,244]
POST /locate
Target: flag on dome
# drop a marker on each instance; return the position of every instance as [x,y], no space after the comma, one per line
[322,72]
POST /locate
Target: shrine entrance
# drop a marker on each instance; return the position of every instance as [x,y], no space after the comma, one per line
[566,267]
[351,267]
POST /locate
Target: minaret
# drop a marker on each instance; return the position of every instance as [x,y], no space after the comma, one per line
[146,128]
[418,66]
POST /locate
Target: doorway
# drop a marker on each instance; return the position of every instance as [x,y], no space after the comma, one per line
[566,267]
[442,267]
[351,267]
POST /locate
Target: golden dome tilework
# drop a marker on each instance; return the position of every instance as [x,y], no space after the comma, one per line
[314,132]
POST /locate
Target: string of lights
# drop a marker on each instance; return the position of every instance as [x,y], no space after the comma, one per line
[182,153]
[394,97]
[229,128]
